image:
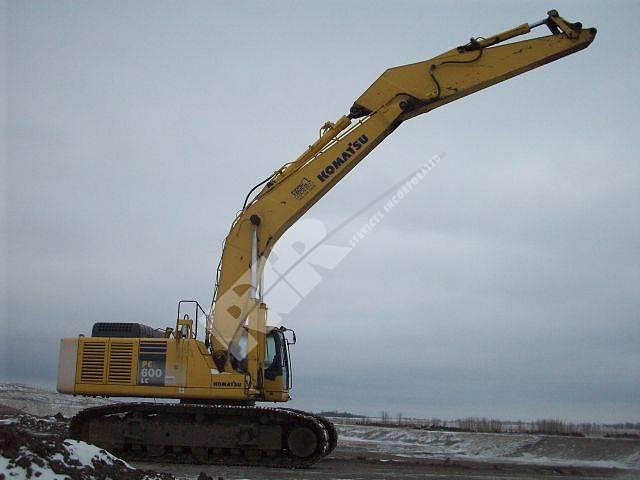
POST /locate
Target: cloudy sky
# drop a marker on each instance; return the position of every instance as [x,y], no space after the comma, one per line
[506,284]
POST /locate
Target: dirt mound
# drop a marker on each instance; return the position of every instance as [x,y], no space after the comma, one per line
[37,447]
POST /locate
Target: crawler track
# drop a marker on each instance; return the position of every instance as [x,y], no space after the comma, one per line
[207,434]
[328,425]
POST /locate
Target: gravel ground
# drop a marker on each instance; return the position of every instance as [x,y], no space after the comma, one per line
[343,465]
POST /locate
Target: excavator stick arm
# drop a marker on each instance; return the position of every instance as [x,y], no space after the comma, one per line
[472,67]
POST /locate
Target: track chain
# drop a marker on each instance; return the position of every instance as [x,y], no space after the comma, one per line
[328,425]
[89,425]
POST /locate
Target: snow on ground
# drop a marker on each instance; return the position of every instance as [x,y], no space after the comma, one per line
[86,454]
[34,447]
[517,448]
[20,471]
[26,454]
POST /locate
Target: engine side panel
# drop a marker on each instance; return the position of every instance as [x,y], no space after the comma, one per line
[146,367]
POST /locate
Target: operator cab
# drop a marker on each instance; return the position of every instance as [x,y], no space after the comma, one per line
[276,357]
[276,365]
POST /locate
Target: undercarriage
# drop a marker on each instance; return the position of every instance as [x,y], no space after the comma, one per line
[207,434]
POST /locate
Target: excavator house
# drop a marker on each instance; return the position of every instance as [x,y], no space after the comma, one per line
[217,376]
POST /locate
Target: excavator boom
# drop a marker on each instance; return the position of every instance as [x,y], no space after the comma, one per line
[399,94]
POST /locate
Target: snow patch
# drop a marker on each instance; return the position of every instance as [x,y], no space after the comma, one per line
[490,447]
[86,454]
[13,471]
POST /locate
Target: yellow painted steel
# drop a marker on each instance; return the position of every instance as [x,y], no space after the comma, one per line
[115,367]
[399,94]
[180,366]
[189,371]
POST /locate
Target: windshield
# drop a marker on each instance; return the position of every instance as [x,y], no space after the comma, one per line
[276,359]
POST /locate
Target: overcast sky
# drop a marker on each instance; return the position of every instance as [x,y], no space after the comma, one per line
[506,284]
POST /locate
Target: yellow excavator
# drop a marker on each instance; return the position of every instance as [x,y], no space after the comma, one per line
[218,375]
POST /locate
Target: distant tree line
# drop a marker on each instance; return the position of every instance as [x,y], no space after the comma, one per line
[492,425]
[337,414]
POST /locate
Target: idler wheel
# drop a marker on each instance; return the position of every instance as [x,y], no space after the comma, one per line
[302,442]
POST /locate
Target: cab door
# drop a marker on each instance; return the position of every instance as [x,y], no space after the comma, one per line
[276,371]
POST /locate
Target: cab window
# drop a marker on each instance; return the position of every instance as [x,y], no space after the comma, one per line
[270,351]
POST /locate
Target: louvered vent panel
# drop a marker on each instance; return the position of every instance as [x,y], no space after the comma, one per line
[120,363]
[153,348]
[93,362]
